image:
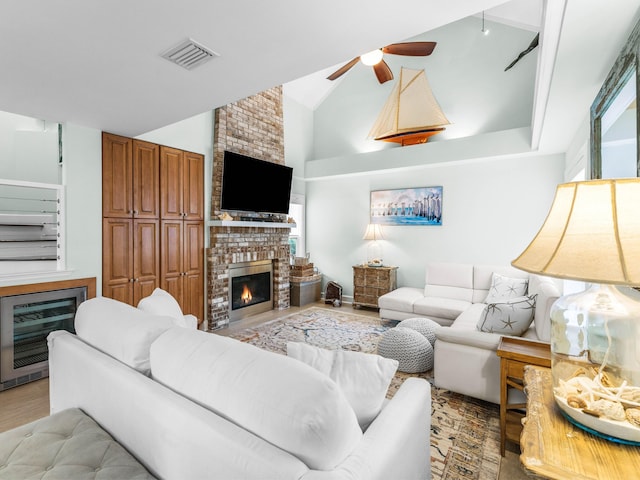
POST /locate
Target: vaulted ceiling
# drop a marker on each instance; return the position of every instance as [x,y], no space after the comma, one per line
[99,64]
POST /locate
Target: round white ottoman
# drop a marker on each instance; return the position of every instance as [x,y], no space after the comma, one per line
[409,347]
[425,326]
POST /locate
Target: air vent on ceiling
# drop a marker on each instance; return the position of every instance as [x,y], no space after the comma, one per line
[189,54]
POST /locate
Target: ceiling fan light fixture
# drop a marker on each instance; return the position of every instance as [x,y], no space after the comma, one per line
[371,58]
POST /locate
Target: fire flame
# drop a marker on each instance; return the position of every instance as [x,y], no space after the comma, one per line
[246,294]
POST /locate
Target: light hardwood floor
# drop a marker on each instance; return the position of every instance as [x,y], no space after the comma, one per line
[30,402]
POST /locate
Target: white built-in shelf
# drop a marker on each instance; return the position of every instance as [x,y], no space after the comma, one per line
[245,223]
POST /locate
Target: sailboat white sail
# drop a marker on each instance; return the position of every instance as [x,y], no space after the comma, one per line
[411,114]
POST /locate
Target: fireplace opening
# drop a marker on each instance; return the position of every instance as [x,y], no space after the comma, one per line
[250,289]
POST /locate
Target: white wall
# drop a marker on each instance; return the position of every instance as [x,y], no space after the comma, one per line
[298,140]
[492,209]
[82,177]
[28,149]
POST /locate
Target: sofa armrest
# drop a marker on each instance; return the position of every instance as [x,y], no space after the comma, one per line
[472,338]
[548,291]
[401,431]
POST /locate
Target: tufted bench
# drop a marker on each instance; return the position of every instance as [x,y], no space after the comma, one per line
[69,445]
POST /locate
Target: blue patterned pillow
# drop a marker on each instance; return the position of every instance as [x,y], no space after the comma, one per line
[511,317]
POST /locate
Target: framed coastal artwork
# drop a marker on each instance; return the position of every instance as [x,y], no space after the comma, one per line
[407,206]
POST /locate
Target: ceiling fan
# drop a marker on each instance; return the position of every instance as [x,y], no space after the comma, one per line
[380,67]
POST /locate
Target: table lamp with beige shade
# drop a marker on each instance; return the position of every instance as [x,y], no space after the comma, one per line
[592,234]
[374,249]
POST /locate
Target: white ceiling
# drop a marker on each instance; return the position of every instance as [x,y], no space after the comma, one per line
[98,64]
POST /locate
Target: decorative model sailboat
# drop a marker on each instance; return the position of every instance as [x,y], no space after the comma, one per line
[411,114]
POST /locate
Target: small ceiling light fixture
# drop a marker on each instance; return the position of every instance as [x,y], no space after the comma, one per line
[485,31]
[371,58]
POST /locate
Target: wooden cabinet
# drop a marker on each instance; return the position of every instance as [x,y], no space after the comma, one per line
[130,178]
[182,264]
[130,258]
[182,210]
[369,283]
[153,222]
[182,177]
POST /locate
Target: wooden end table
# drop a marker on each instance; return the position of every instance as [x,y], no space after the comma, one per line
[515,353]
[552,447]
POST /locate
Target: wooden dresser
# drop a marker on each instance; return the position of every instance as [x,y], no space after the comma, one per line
[369,283]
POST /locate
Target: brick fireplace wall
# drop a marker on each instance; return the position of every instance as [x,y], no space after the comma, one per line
[254,127]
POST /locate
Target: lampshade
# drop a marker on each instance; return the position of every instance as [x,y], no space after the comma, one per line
[592,233]
[373,232]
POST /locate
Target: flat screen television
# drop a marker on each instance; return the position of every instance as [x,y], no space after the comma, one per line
[252,185]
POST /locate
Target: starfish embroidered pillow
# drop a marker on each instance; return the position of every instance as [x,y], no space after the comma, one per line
[510,317]
[503,288]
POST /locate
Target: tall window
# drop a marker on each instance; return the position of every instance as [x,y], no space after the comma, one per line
[296,236]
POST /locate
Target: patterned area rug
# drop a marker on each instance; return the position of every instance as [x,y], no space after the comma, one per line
[465,432]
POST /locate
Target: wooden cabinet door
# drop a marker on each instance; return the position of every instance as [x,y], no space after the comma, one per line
[146,179]
[117,259]
[193,300]
[117,185]
[146,267]
[171,183]
[193,191]
[171,267]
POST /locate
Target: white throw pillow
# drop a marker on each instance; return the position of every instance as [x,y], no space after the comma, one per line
[120,330]
[503,288]
[161,302]
[277,398]
[364,378]
[511,317]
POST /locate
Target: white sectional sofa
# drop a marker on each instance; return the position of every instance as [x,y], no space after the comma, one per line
[193,405]
[465,359]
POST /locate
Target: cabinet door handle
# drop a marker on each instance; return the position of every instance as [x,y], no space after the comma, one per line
[135,212]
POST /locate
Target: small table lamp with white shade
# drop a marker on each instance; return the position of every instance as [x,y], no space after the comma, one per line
[592,234]
[374,249]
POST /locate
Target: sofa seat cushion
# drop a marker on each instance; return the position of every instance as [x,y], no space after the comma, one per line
[120,330]
[401,299]
[440,307]
[69,445]
[277,398]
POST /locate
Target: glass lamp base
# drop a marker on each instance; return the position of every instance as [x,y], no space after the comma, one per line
[595,360]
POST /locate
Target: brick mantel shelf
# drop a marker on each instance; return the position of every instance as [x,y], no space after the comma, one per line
[244,223]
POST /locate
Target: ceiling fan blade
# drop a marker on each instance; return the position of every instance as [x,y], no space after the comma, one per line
[344,69]
[416,49]
[532,45]
[382,71]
